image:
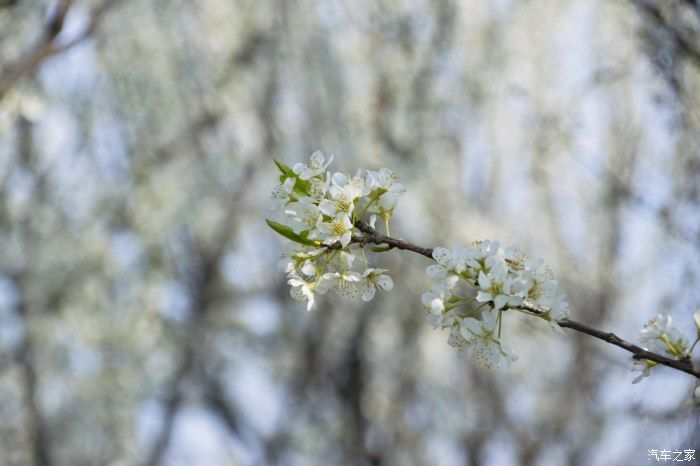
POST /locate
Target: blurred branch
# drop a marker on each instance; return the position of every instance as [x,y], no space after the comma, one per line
[685,38]
[204,282]
[23,280]
[372,236]
[48,45]
[25,357]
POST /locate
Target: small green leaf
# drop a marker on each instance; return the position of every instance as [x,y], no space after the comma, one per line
[288,172]
[288,233]
[380,248]
[300,186]
[303,186]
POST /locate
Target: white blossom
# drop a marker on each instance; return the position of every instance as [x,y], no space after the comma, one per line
[374,278]
[282,194]
[474,254]
[316,191]
[303,216]
[501,277]
[343,284]
[336,229]
[389,188]
[296,255]
[434,303]
[302,290]
[542,291]
[499,286]
[481,343]
[323,208]
[385,179]
[344,191]
[644,366]
[449,265]
[659,336]
[316,165]
[656,328]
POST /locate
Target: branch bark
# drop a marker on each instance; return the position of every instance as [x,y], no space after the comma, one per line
[372,236]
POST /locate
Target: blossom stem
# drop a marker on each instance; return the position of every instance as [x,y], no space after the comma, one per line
[673,349]
[459,302]
[472,312]
[372,199]
[364,257]
[500,321]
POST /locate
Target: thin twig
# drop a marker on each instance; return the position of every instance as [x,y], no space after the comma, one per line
[372,236]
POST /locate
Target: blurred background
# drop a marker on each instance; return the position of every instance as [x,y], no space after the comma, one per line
[142,317]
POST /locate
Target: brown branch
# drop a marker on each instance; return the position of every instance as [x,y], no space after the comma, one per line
[372,236]
[47,45]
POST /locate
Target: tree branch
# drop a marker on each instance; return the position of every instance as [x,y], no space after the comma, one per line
[372,236]
[48,46]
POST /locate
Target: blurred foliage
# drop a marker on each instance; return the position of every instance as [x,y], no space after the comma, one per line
[142,318]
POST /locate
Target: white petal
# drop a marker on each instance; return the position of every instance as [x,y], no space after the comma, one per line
[427,297]
[489,320]
[434,320]
[436,271]
[436,306]
[515,300]
[464,331]
[442,256]
[472,325]
[299,167]
[345,239]
[288,185]
[484,280]
[309,268]
[311,305]
[385,282]
[327,207]
[317,159]
[339,179]
[451,280]
[500,301]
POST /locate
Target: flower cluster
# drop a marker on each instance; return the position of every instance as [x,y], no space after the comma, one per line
[502,278]
[320,211]
[659,336]
[473,285]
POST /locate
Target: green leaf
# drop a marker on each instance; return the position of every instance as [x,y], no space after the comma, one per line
[303,186]
[300,186]
[288,233]
[285,169]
